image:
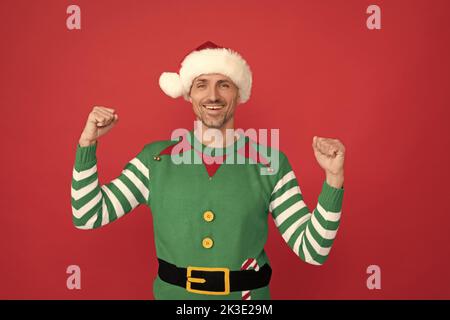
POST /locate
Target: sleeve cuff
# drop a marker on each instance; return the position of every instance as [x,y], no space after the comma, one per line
[331,198]
[85,156]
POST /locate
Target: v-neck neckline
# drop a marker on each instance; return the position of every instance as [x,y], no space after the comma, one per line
[215,152]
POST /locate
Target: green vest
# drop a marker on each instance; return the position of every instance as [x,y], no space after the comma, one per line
[210,215]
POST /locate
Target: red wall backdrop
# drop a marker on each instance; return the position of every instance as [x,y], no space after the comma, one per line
[318,70]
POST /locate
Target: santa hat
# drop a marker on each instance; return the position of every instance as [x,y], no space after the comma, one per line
[208,58]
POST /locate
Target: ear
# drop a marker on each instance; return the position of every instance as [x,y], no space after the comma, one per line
[190,99]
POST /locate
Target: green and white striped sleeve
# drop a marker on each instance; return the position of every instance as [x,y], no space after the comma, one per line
[95,205]
[310,236]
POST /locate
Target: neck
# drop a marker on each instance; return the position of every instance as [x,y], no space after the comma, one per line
[215,138]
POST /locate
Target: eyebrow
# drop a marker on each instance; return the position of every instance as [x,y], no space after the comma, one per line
[206,80]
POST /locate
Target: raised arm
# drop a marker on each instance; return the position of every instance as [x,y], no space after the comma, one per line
[95,205]
[310,234]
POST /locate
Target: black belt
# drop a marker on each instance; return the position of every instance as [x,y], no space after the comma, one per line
[215,281]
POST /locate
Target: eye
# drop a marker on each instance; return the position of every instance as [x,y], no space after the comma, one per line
[225,85]
[200,86]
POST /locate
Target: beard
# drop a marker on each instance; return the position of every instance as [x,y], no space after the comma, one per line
[214,122]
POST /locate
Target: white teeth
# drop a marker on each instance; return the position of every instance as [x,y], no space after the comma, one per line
[213,107]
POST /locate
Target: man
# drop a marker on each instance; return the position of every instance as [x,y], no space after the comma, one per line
[210,213]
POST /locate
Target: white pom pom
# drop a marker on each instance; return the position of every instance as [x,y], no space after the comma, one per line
[171,84]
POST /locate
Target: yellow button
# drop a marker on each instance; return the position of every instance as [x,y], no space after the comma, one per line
[208,216]
[207,243]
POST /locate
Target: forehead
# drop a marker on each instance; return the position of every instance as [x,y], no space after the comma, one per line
[212,77]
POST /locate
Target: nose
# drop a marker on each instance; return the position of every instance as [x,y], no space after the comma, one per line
[213,94]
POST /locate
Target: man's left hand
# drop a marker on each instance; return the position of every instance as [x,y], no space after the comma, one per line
[330,155]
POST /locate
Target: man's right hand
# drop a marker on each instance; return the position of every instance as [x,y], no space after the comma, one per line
[99,122]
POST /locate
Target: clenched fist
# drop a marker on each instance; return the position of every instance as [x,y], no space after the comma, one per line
[330,155]
[99,122]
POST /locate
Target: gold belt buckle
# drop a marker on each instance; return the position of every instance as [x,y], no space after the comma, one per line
[190,280]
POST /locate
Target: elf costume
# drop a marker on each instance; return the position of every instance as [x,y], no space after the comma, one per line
[210,206]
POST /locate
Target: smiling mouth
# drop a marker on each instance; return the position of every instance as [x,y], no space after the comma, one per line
[212,107]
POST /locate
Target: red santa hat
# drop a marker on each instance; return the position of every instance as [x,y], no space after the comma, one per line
[208,58]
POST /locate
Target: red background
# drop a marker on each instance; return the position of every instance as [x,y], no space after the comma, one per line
[317,70]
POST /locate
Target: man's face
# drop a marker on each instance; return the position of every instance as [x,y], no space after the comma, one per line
[214,98]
